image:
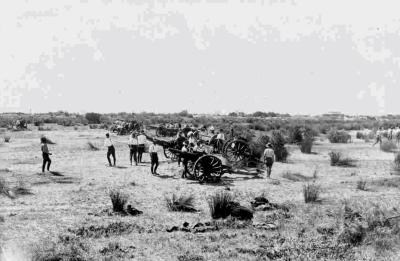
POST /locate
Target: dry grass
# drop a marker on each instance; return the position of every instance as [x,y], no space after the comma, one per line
[184,203]
[296,177]
[306,232]
[338,160]
[361,185]
[118,200]
[311,192]
[219,204]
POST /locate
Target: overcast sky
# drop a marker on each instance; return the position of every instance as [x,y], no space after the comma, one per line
[306,57]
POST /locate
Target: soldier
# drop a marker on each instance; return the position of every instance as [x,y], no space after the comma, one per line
[133,148]
[141,141]
[153,158]
[46,154]
[110,149]
[269,158]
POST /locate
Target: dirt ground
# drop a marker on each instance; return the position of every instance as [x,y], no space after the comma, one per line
[77,197]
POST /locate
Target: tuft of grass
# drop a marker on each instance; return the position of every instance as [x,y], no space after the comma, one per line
[92,146]
[337,159]
[21,188]
[362,185]
[220,205]
[184,203]
[388,146]
[5,189]
[7,138]
[311,192]
[118,200]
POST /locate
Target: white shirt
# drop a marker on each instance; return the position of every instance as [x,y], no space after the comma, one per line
[141,139]
[221,136]
[152,148]
[184,149]
[108,142]
[132,141]
[269,153]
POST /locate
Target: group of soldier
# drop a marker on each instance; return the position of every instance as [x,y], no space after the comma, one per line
[137,141]
[392,133]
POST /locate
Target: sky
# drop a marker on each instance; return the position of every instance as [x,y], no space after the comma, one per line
[286,56]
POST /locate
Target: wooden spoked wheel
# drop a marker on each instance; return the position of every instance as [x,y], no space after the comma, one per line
[237,151]
[207,167]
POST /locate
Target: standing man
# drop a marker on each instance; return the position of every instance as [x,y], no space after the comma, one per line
[46,154]
[141,141]
[153,158]
[379,134]
[133,148]
[110,149]
[220,140]
[269,158]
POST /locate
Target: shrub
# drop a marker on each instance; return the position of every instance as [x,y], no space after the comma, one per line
[306,144]
[295,135]
[219,205]
[388,146]
[118,200]
[336,136]
[311,192]
[362,184]
[93,118]
[360,135]
[278,144]
[7,138]
[338,160]
[183,203]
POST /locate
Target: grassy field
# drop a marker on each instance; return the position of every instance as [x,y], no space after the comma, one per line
[68,212]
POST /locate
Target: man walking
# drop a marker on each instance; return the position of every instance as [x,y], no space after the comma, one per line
[141,141]
[133,148]
[46,154]
[110,149]
[153,158]
[269,158]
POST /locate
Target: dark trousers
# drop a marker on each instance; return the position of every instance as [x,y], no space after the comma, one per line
[46,159]
[140,152]
[111,151]
[154,162]
[133,153]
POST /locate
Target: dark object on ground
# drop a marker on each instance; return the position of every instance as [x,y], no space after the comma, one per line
[262,204]
[133,211]
[241,213]
[198,228]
